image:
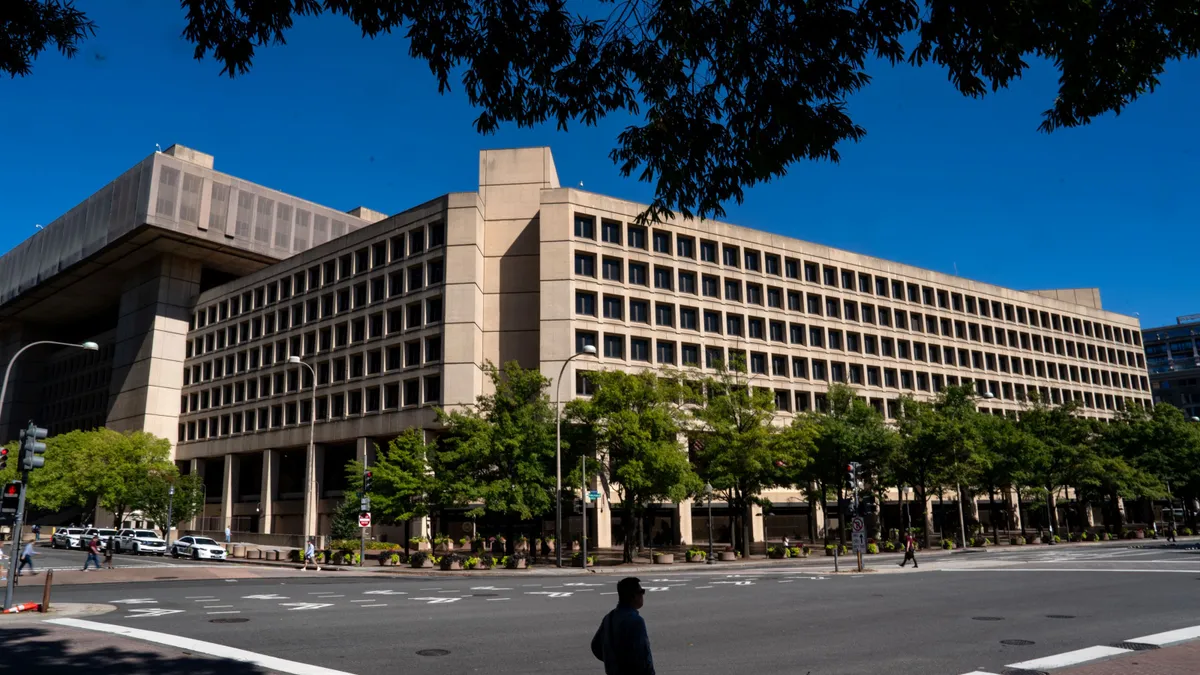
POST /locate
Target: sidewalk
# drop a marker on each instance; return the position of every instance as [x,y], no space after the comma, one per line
[1182,659]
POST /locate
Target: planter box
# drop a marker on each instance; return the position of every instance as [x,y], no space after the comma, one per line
[424,564]
[517,564]
[422,546]
[451,566]
[697,559]
[664,559]
[727,556]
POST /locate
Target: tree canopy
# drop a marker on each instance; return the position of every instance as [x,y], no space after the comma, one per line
[726,95]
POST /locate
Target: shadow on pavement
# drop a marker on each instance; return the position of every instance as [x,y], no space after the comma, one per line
[38,651]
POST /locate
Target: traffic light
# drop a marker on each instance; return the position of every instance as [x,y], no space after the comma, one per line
[3,458]
[32,448]
[852,476]
[9,502]
[578,505]
[367,482]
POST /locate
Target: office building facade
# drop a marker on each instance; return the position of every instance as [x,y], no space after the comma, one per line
[1173,360]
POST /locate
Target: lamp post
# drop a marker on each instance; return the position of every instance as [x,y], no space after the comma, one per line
[708,492]
[310,460]
[558,534]
[20,514]
[170,503]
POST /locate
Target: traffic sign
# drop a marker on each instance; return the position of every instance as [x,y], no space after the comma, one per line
[364,519]
[859,542]
[593,495]
[859,524]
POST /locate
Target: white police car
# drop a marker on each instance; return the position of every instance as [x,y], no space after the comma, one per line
[197,548]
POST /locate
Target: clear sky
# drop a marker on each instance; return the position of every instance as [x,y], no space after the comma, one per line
[940,180]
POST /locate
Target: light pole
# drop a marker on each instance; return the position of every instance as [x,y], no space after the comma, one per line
[708,492]
[310,459]
[20,514]
[558,534]
[170,503]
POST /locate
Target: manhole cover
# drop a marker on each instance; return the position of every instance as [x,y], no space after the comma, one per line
[987,618]
[166,577]
[1017,643]
[1060,616]
[232,620]
[1134,646]
[432,652]
[484,595]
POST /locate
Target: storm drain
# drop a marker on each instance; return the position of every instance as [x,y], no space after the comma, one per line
[432,652]
[1134,646]
[987,618]
[1060,616]
[230,620]
[1017,643]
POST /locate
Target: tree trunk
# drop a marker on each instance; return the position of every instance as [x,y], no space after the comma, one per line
[627,528]
[922,499]
[1119,512]
[746,531]
[995,514]
[1021,510]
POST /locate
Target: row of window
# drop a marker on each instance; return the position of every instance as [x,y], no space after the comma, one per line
[752,260]
[410,393]
[669,353]
[407,319]
[415,242]
[614,307]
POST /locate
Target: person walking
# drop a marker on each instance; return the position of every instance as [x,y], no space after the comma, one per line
[93,556]
[108,552]
[310,554]
[1171,532]
[621,641]
[228,534]
[910,550]
[37,532]
[27,554]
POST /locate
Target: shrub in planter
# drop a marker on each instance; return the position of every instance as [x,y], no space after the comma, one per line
[1095,536]
[947,545]
[829,548]
[805,551]
[776,552]
[421,559]
[451,561]
[795,552]
[728,556]
[516,561]
[395,559]
[872,548]
[1057,539]
[443,544]
[486,561]
[577,559]
[296,555]
[980,542]
[1186,532]
[420,543]
[1017,541]
[889,546]
[659,559]
[696,555]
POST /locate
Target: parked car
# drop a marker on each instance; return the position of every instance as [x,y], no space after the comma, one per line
[197,548]
[67,537]
[138,542]
[103,532]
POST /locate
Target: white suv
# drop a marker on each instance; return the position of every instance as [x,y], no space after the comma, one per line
[67,537]
[103,532]
[138,542]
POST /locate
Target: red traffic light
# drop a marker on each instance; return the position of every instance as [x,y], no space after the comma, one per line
[367,474]
[10,490]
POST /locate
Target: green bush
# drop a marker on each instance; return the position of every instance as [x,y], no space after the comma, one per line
[697,553]
[1017,541]
[947,545]
[1057,539]
[889,546]
[1187,532]
[776,552]
[796,552]
[1095,536]
[872,548]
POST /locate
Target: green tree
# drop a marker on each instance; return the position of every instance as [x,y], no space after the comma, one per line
[500,452]
[729,94]
[185,504]
[738,450]
[403,480]
[1059,450]
[1000,460]
[633,424]
[344,522]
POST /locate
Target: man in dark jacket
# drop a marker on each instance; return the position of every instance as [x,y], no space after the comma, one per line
[621,642]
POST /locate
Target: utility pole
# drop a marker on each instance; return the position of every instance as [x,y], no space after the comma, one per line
[584,502]
[31,458]
[170,503]
[365,507]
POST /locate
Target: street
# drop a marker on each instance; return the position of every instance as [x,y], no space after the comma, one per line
[72,559]
[954,616]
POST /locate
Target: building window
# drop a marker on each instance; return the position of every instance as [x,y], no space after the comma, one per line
[585,265]
[752,259]
[612,269]
[639,349]
[585,303]
[730,256]
[637,274]
[584,338]
[585,227]
[610,232]
[685,247]
[663,276]
[688,318]
[662,242]
[614,307]
[666,352]
[712,322]
[710,286]
[733,290]
[614,346]
[637,237]
[708,251]
[689,355]
[687,282]
[639,311]
[664,315]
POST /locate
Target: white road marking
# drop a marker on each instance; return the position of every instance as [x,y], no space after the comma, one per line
[435,588]
[145,613]
[386,592]
[135,601]
[1069,658]
[552,594]
[437,601]
[199,597]
[979,672]
[303,606]
[217,606]
[371,600]
[225,612]
[580,583]
[266,596]
[698,587]
[378,604]
[202,647]
[614,592]
[322,593]
[530,585]
[657,589]
[1170,636]
[497,599]
[499,588]
[449,591]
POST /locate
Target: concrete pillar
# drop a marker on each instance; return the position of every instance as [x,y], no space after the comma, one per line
[270,478]
[151,334]
[603,517]
[198,471]
[229,486]
[683,518]
[756,523]
[817,517]
[1014,519]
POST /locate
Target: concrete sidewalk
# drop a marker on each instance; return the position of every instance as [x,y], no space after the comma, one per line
[1183,659]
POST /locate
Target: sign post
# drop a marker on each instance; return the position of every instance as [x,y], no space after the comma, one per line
[859,539]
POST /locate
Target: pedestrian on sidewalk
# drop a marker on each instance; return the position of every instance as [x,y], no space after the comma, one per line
[910,550]
[37,532]
[108,552]
[621,641]
[228,534]
[93,556]
[310,554]
[1171,532]
[27,554]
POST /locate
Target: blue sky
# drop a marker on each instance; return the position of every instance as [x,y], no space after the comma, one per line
[940,180]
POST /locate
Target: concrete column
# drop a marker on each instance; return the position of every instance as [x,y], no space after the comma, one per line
[151,334]
[603,517]
[683,516]
[229,486]
[817,516]
[756,523]
[1014,519]
[270,478]
[197,470]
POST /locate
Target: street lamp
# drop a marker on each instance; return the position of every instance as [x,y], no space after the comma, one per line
[708,492]
[89,346]
[310,463]
[170,503]
[558,533]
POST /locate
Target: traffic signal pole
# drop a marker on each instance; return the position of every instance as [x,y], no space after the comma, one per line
[16,541]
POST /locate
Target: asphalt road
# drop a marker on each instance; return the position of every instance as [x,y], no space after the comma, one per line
[949,620]
[72,559]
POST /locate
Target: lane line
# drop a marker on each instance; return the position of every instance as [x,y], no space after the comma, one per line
[217,606]
[378,604]
[371,600]
[497,599]
[1069,658]
[209,648]
[199,597]
[1170,636]
[228,612]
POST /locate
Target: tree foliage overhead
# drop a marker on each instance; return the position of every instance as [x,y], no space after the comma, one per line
[729,94]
